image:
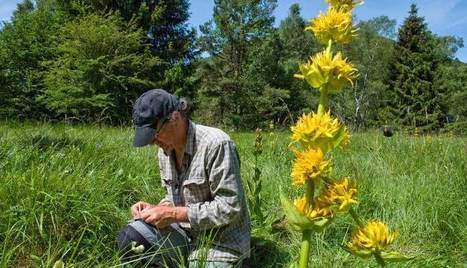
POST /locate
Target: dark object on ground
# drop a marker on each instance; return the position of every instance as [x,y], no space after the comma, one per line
[143,244]
[387,131]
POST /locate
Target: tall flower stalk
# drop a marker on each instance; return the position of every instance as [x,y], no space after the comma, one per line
[315,135]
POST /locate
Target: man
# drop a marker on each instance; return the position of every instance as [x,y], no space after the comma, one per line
[200,168]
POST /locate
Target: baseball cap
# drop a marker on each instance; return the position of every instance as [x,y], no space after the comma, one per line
[149,108]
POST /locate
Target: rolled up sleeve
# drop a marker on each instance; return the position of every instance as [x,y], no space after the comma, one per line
[223,168]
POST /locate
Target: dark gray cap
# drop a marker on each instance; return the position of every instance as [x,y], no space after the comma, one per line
[149,108]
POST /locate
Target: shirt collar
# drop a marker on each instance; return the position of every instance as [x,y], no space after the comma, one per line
[190,138]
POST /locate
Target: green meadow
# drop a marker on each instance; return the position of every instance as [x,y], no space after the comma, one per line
[65,193]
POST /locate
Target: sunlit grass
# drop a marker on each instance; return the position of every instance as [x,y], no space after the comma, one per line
[65,193]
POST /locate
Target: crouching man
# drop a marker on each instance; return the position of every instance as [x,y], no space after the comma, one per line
[203,217]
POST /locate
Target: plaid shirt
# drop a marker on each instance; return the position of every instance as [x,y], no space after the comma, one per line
[209,185]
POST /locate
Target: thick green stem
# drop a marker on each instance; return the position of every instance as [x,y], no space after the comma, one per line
[305,249]
[323,101]
[379,259]
[306,235]
[323,97]
[355,217]
[310,193]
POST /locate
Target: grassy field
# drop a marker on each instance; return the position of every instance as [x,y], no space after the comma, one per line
[65,193]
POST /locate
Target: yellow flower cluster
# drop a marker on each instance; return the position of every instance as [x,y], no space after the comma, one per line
[310,165]
[325,70]
[344,4]
[320,209]
[340,193]
[374,236]
[335,24]
[318,131]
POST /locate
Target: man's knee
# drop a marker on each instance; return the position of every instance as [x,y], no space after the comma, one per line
[133,239]
[139,240]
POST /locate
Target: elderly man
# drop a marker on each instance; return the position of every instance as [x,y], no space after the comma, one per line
[204,214]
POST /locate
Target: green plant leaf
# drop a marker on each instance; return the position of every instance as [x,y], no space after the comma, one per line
[298,221]
[250,186]
[339,137]
[359,253]
[259,186]
[394,256]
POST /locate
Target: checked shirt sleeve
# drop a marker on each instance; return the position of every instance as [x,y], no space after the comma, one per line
[225,186]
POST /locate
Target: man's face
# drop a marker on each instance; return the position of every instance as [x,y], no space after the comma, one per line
[164,137]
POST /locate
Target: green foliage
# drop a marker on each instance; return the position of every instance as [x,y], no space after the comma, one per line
[89,60]
[249,75]
[452,78]
[226,92]
[413,99]
[244,79]
[164,23]
[99,69]
[268,82]
[254,184]
[25,43]
[296,46]
[371,52]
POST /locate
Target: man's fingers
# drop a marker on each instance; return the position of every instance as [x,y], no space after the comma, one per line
[166,204]
[151,215]
[139,208]
[134,211]
[146,213]
[150,218]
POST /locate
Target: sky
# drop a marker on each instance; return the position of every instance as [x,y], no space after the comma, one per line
[444,17]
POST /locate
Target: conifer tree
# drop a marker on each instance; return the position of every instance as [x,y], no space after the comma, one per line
[298,45]
[226,94]
[413,101]
[165,24]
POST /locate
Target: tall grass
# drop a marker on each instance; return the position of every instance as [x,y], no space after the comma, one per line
[65,193]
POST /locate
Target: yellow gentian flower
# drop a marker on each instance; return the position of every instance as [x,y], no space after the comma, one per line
[340,193]
[309,165]
[344,4]
[325,70]
[319,131]
[335,25]
[320,209]
[374,236]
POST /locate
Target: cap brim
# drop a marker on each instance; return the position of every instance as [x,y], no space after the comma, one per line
[143,136]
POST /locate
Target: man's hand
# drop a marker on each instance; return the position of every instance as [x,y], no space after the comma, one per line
[162,216]
[165,203]
[137,208]
[141,205]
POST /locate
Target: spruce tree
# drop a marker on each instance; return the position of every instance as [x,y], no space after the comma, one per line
[165,25]
[25,42]
[226,93]
[298,45]
[413,101]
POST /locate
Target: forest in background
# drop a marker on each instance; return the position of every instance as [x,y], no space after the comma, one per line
[87,61]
